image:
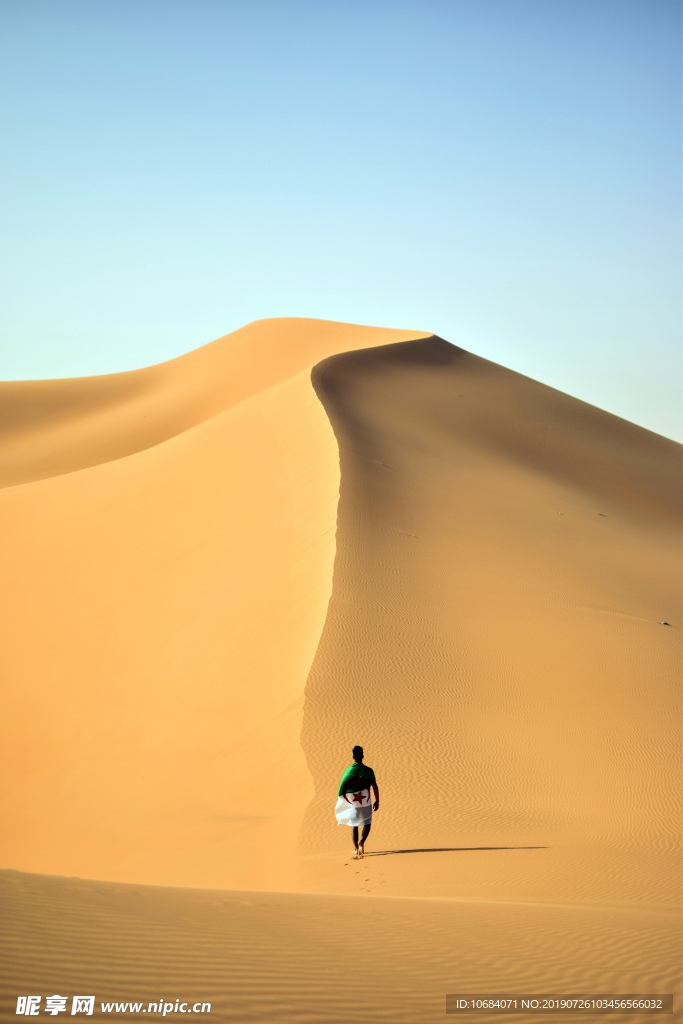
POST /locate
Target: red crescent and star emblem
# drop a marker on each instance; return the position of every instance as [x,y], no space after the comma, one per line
[357,797]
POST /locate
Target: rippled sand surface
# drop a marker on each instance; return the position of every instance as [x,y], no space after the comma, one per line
[259,956]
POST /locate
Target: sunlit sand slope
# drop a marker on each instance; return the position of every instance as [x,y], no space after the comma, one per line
[506,556]
[316,958]
[161,611]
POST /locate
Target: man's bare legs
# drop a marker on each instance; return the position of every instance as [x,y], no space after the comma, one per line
[364,836]
[359,847]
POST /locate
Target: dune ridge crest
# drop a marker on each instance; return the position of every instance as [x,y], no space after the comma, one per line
[50,427]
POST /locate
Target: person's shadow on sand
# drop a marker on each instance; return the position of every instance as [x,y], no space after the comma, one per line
[451,849]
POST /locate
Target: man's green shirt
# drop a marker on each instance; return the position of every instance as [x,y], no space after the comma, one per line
[355,778]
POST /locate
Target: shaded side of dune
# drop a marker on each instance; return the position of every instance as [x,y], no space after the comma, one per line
[505,557]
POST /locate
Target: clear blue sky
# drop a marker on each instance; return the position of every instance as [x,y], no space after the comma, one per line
[505,173]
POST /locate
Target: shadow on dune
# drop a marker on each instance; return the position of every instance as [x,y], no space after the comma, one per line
[451,849]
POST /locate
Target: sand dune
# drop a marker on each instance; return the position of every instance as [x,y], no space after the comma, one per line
[223,571]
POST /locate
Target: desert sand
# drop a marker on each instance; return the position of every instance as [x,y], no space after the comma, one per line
[222,572]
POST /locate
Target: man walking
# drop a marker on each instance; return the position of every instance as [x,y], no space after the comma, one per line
[354,806]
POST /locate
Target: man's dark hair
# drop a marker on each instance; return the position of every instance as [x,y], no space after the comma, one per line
[357,753]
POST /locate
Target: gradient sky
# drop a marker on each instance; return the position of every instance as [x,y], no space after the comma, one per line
[505,173]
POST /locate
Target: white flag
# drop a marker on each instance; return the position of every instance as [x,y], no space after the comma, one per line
[354,808]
